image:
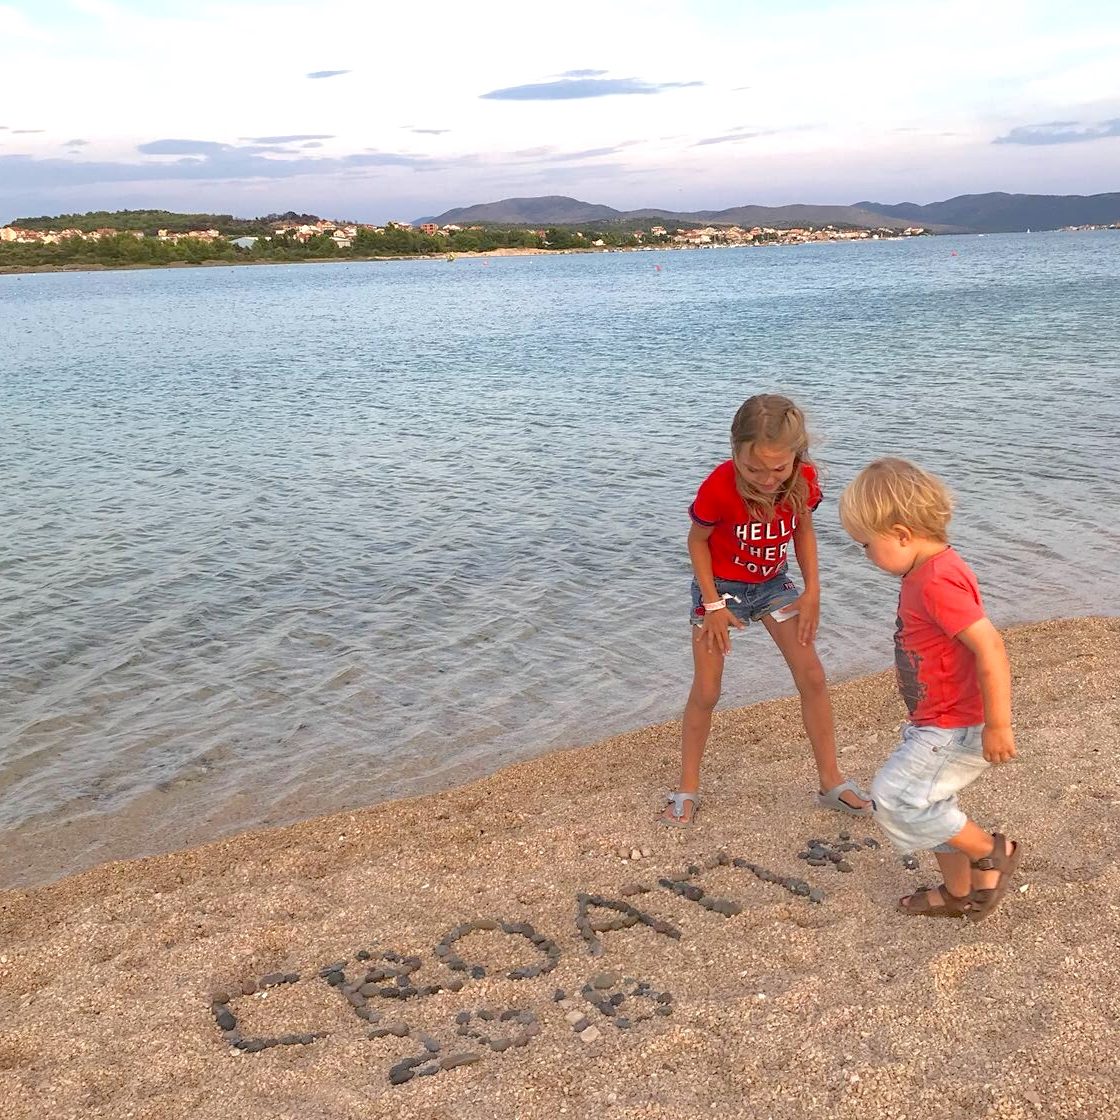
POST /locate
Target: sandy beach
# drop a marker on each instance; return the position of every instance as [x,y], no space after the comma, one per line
[114,983]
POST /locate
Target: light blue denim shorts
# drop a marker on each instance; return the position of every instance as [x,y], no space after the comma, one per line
[755,600]
[914,795]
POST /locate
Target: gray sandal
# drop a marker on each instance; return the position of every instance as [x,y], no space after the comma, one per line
[677,800]
[833,800]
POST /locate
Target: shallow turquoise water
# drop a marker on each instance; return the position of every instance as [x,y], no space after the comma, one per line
[285,539]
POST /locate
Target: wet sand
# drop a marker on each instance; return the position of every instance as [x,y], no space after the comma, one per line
[788,1009]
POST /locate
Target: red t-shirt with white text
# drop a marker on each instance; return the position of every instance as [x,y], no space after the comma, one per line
[744,548]
[936,672]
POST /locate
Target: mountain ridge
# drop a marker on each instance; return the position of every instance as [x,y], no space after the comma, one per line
[994,212]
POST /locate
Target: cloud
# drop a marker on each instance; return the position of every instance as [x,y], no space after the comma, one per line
[430,131]
[583,73]
[201,161]
[76,144]
[290,139]
[1060,132]
[728,139]
[26,131]
[327,73]
[311,144]
[572,88]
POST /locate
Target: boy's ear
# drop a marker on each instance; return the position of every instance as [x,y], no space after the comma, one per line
[903,533]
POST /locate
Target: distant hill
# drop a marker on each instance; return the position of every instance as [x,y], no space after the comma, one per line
[968,213]
[559,210]
[552,209]
[1008,213]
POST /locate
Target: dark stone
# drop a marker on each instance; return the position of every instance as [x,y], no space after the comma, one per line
[273,978]
[249,987]
[910,863]
[477,972]
[845,836]
[815,862]
[224,1017]
[398,1075]
[843,865]
[254,1045]
[816,895]
[870,842]
[559,994]
[622,1023]
[362,955]
[327,969]
[428,1070]
[605,980]
[455,985]
[220,997]
[664,1011]
[803,854]
[800,889]
[499,1044]
[486,1016]
[430,1044]
[664,997]
[463,1017]
[617,999]
[335,979]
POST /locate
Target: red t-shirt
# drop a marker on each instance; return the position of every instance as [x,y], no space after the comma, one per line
[744,548]
[936,672]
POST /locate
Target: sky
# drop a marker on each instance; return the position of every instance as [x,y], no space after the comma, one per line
[348,109]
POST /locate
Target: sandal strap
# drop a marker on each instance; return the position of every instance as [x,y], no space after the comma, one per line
[996,860]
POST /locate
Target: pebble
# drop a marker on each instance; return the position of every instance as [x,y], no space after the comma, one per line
[843,865]
[225,1018]
[605,980]
[635,853]
[590,1034]
[910,863]
[450,1061]
[573,1017]
[870,842]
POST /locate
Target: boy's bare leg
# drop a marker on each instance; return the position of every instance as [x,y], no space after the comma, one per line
[816,705]
[697,722]
[956,874]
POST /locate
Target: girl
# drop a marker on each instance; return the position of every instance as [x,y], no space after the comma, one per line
[746,513]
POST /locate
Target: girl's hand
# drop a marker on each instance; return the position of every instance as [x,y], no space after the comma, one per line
[999,744]
[808,616]
[713,632]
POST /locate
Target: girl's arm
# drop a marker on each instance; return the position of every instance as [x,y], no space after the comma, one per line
[713,631]
[809,605]
[993,671]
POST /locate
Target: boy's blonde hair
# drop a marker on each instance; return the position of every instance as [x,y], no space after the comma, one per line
[894,492]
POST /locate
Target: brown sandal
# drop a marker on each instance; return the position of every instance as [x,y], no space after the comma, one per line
[1004,859]
[953,905]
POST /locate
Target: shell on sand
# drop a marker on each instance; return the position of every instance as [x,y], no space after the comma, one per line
[788,1009]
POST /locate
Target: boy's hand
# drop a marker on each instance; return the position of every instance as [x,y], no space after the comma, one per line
[808,606]
[713,632]
[999,744]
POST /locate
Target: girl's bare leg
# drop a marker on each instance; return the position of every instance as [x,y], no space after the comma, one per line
[816,705]
[707,677]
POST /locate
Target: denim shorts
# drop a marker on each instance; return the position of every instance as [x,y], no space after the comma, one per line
[755,600]
[914,795]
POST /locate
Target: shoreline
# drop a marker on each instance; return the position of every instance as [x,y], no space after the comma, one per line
[787,1009]
[450,256]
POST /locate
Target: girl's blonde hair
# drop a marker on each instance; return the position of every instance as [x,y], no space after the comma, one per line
[894,492]
[769,419]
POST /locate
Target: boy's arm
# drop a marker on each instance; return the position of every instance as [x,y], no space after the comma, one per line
[809,605]
[994,675]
